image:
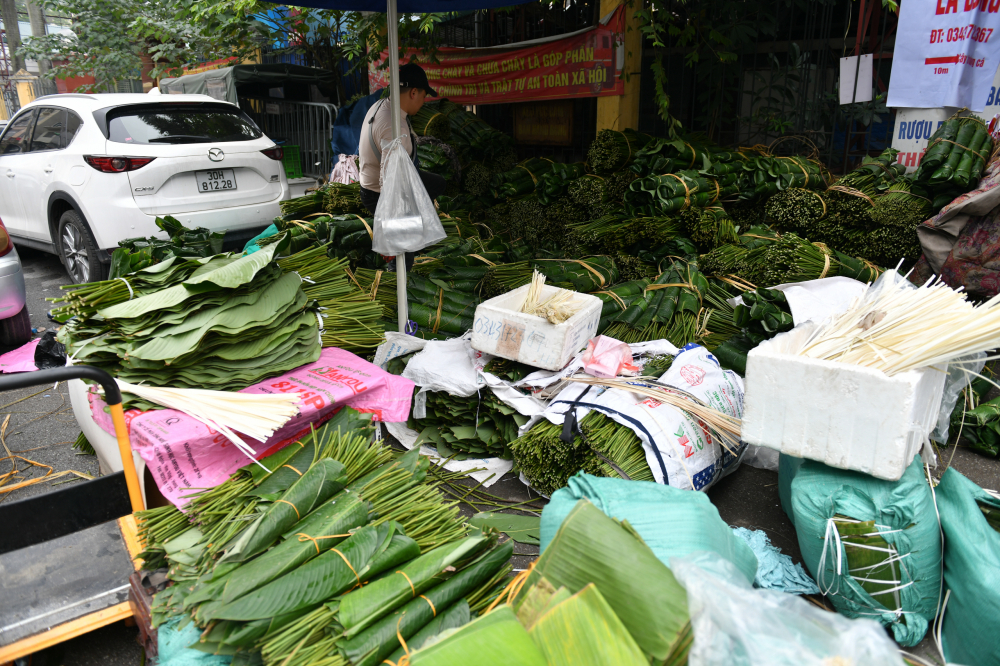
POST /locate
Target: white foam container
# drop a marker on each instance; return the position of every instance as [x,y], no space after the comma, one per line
[842,415]
[501,330]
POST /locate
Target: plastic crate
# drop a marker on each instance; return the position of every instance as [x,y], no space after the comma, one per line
[292,162]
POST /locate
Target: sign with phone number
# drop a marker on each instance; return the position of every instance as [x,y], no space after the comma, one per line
[946,53]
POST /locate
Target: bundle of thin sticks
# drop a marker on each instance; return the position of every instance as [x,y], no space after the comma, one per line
[557,308]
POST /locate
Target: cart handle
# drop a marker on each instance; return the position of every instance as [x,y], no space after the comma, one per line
[113,398]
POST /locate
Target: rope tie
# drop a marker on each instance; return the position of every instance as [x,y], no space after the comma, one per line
[717,193]
[483,259]
[437,319]
[347,562]
[821,199]
[627,144]
[796,163]
[852,192]
[533,179]
[367,228]
[428,123]
[615,297]
[513,587]
[597,274]
[826,258]
[303,537]
[693,154]
[291,505]
[292,468]
[431,604]
[375,284]
[350,274]
[131,294]
[687,190]
[413,589]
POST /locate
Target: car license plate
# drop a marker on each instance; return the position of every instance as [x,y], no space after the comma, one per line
[215,180]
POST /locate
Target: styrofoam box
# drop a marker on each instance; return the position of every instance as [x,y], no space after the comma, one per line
[501,330]
[845,416]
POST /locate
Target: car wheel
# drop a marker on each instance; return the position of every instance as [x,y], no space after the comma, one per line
[16,330]
[78,249]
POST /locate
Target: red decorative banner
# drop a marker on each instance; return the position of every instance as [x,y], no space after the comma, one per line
[586,64]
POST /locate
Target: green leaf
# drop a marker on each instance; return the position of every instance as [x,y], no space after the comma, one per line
[523,529]
[495,639]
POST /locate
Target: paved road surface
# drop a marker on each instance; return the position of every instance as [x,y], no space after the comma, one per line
[42,428]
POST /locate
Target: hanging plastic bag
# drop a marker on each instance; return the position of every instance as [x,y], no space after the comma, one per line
[405,219]
[607,357]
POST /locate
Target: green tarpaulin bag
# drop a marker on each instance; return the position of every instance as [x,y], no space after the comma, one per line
[971,571]
[788,466]
[873,546]
[671,521]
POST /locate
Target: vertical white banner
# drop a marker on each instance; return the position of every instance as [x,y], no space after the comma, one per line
[946,52]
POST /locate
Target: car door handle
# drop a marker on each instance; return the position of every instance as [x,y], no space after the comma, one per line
[10,174]
[48,169]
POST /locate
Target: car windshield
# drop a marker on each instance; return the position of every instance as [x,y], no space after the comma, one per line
[180,125]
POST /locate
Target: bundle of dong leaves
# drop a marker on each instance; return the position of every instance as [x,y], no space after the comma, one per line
[336,557]
[597,595]
[226,322]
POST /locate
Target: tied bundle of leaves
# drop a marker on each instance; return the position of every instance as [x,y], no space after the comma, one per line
[434,306]
[764,176]
[133,254]
[669,193]
[669,309]
[553,184]
[479,426]
[709,227]
[523,178]
[430,121]
[583,275]
[548,462]
[438,157]
[590,190]
[977,419]
[343,199]
[307,204]
[798,210]
[613,150]
[763,314]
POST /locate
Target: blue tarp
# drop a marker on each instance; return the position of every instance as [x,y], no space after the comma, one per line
[347,126]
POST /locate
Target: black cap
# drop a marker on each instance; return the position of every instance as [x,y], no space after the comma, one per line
[412,75]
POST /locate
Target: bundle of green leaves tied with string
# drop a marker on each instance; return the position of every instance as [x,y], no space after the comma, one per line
[307,204]
[763,314]
[662,194]
[584,275]
[230,323]
[762,176]
[430,121]
[548,462]
[957,154]
[438,157]
[439,310]
[553,184]
[521,179]
[708,227]
[613,150]
[618,232]
[340,515]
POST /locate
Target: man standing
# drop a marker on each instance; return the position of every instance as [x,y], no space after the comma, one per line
[377,129]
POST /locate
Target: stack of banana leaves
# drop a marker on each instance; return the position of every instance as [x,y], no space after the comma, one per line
[337,557]
[230,323]
[438,157]
[760,176]
[430,121]
[439,310]
[613,150]
[552,185]
[709,227]
[134,254]
[580,604]
[667,155]
[476,139]
[763,314]
[479,426]
[957,155]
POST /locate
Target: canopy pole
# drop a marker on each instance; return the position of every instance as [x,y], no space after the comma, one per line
[392,32]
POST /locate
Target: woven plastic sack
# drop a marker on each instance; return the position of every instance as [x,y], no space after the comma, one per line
[971,572]
[736,625]
[671,521]
[172,647]
[405,219]
[788,466]
[904,517]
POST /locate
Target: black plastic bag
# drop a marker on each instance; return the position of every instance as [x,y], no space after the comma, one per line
[50,353]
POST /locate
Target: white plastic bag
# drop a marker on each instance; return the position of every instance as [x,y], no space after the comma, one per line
[405,218]
[736,625]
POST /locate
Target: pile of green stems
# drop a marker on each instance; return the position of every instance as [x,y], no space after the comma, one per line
[523,178]
[548,462]
[476,178]
[709,227]
[424,298]
[299,207]
[343,199]
[589,190]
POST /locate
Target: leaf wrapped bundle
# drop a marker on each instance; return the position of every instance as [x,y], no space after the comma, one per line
[938,148]
[963,141]
[613,150]
[494,639]
[374,644]
[523,178]
[979,150]
[583,275]
[591,548]
[455,616]
[364,607]
[430,121]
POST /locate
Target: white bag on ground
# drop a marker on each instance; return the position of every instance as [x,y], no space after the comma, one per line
[405,218]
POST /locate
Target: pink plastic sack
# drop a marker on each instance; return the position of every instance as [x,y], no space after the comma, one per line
[183,453]
[21,359]
[607,357]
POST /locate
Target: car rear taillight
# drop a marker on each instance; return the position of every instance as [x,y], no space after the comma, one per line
[117,164]
[275,153]
[6,245]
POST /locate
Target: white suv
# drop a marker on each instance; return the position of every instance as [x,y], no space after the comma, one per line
[78,173]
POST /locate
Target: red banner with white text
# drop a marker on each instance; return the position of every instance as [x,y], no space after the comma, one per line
[587,64]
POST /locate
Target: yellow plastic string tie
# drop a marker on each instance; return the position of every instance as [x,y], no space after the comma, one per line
[375,283]
[693,154]
[367,228]
[292,468]
[348,563]
[428,123]
[291,505]
[826,258]
[615,297]
[687,190]
[403,574]
[431,604]
[533,179]
[483,259]
[513,588]
[303,537]
[437,320]
[590,268]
